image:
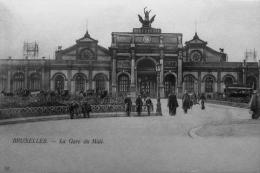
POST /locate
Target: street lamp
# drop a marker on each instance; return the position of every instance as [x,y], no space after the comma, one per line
[158,109]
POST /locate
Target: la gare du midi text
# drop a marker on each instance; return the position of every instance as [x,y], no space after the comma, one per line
[60,141]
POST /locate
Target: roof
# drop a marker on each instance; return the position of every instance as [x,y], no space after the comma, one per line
[196,40]
[86,38]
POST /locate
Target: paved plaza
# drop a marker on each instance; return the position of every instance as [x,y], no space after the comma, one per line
[136,144]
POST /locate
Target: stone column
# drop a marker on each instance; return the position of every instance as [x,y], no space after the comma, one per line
[69,80]
[9,75]
[72,87]
[180,74]
[199,82]
[219,82]
[65,84]
[114,85]
[43,74]
[161,85]
[132,84]
[244,72]
[43,78]
[90,79]
[52,85]
[26,83]
[244,76]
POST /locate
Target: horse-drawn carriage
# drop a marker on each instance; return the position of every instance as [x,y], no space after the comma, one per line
[238,93]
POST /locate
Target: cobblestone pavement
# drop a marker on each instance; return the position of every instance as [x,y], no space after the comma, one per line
[131,144]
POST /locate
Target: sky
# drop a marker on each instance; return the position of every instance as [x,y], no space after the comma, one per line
[230,24]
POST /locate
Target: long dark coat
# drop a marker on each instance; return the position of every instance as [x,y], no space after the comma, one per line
[128,104]
[86,107]
[254,106]
[186,101]
[202,98]
[139,104]
[172,102]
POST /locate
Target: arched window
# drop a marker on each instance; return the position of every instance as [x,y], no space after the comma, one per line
[251,82]
[100,83]
[189,83]
[169,84]
[35,82]
[123,83]
[18,81]
[228,81]
[209,85]
[3,82]
[80,83]
[59,83]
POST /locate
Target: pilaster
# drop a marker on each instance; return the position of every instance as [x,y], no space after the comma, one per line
[26,83]
[132,84]
[199,82]
[70,80]
[244,72]
[9,75]
[114,86]
[180,74]
[219,82]
[90,78]
[161,85]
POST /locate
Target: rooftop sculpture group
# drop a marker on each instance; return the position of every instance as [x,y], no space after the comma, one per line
[146,22]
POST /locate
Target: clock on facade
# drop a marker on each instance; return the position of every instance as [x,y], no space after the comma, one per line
[87,54]
[146,39]
[196,56]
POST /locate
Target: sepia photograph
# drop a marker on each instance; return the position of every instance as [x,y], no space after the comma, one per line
[129,86]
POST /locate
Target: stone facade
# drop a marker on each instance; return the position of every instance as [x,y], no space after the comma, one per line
[145,61]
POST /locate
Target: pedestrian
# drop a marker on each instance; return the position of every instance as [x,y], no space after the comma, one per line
[172,104]
[202,101]
[128,105]
[191,101]
[254,105]
[185,101]
[86,109]
[149,104]
[195,98]
[139,104]
[76,109]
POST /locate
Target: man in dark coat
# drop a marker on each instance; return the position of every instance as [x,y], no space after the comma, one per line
[128,105]
[202,101]
[186,101]
[70,106]
[254,105]
[139,104]
[172,104]
[86,109]
[75,106]
[149,104]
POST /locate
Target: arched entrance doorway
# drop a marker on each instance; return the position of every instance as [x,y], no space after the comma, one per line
[169,84]
[251,82]
[146,78]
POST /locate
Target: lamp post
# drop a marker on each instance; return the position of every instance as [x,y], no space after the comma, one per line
[158,109]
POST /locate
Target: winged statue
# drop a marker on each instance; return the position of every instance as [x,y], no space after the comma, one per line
[146,21]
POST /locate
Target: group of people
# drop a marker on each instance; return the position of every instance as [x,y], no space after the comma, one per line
[139,105]
[76,108]
[187,102]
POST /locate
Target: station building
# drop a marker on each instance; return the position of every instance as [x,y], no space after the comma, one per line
[145,60]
